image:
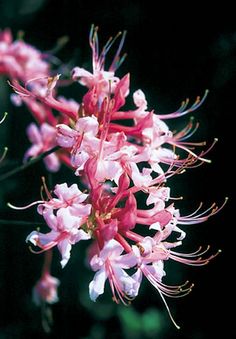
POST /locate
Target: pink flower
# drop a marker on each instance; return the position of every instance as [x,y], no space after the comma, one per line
[65,232]
[45,289]
[69,198]
[123,157]
[110,264]
[43,139]
[158,195]
[44,93]
[104,81]
[65,216]
[20,60]
[85,128]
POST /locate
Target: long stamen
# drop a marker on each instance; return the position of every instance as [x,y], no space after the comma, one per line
[4,117]
[155,283]
[4,154]
[107,47]
[25,207]
[44,249]
[194,254]
[189,151]
[35,79]
[195,218]
[115,286]
[99,60]
[182,110]
[46,188]
[117,61]
[182,258]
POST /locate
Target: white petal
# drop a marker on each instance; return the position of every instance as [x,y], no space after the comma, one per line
[96,286]
[33,237]
[111,249]
[64,247]
[126,261]
[156,226]
[81,235]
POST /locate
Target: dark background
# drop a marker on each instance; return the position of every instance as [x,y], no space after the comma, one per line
[173,53]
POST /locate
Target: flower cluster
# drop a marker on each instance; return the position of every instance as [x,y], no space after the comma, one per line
[119,157]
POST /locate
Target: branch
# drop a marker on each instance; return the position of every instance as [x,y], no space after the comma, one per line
[28,164]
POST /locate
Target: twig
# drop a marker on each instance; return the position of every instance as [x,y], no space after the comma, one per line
[28,164]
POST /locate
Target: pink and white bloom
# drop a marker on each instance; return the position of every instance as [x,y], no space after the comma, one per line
[20,60]
[85,129]
[43,138]
[65,232]
[121,156]
[104,81]
[69,198]
[66,216]
[45,290]
[111,264]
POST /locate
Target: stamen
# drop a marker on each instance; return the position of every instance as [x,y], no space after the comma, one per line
[182,110]
[4,117]
[24,207]
[177,198]
[168,310]
[46,188]
[18,89]
[162,290]
[4,153]
[185,258]
[117,61]
[189,151]
[195,218]
[35,79]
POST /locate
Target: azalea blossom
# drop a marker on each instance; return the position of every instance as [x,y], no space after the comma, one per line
[123,157]
[110,264]
[45,290]
[67,197]
[65,232]
[43,139]
[104,81]
[20,60]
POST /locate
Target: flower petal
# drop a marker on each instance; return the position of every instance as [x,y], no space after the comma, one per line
[64,247]
[96,286]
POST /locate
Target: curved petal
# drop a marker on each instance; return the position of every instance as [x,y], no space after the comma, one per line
[49,217]
[112,248]
[52,162]
[126,261]
[43,240]
[64,247]
[34,134]
[80,235]
[127,284]
[96,286]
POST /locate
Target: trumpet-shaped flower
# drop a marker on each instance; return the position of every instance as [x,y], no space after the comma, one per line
[111,264]
[124,158]
[65,232]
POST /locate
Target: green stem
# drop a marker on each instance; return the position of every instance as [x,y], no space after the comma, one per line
[28,164]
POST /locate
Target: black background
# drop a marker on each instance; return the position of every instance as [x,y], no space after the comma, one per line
[173,53]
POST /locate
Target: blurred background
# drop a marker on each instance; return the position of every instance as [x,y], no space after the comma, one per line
[172,54]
